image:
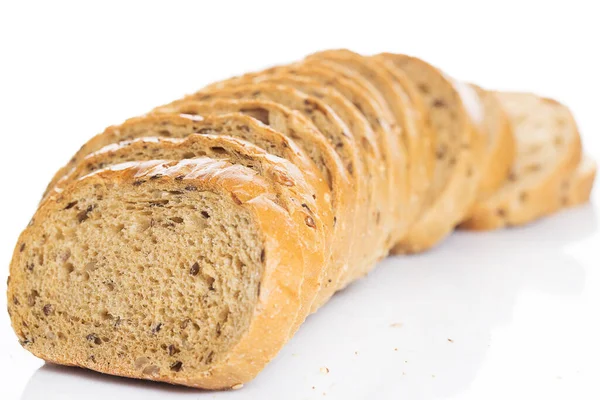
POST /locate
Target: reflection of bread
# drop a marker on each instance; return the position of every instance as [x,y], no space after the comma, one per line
[243,207]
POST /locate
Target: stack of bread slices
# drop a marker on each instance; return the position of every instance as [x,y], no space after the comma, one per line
[188,245]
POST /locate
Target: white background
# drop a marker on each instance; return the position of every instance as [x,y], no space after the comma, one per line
[521,306]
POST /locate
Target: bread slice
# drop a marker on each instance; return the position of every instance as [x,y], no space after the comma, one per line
[416,167]
[286,180]
[353,196]
[200,291]
[455,181]
[577,188]
[548,151]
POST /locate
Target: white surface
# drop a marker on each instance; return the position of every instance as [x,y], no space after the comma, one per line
[520,306]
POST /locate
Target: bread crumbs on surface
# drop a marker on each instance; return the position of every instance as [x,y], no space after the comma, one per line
[395,349]
[450,340]
[238,386]
[356,353]
[324,370]
[396,325]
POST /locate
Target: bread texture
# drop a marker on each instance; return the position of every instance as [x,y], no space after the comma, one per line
[204,293]
[548,151]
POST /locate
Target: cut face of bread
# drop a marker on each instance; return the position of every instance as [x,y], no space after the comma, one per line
[294,125]
[313,208]
[577,188]
[548,151]
[455,178]
[286,181]
[171,271]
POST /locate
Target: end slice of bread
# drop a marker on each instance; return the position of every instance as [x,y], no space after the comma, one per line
[548,151]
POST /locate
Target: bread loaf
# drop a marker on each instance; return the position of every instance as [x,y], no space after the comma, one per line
[189,244]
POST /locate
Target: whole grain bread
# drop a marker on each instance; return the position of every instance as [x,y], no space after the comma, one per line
[189,244]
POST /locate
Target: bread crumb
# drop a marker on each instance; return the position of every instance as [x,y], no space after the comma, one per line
[238,386]
[395,349]
[324,370]
[313,388]
[396,325]
[356,353]
[450,340]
